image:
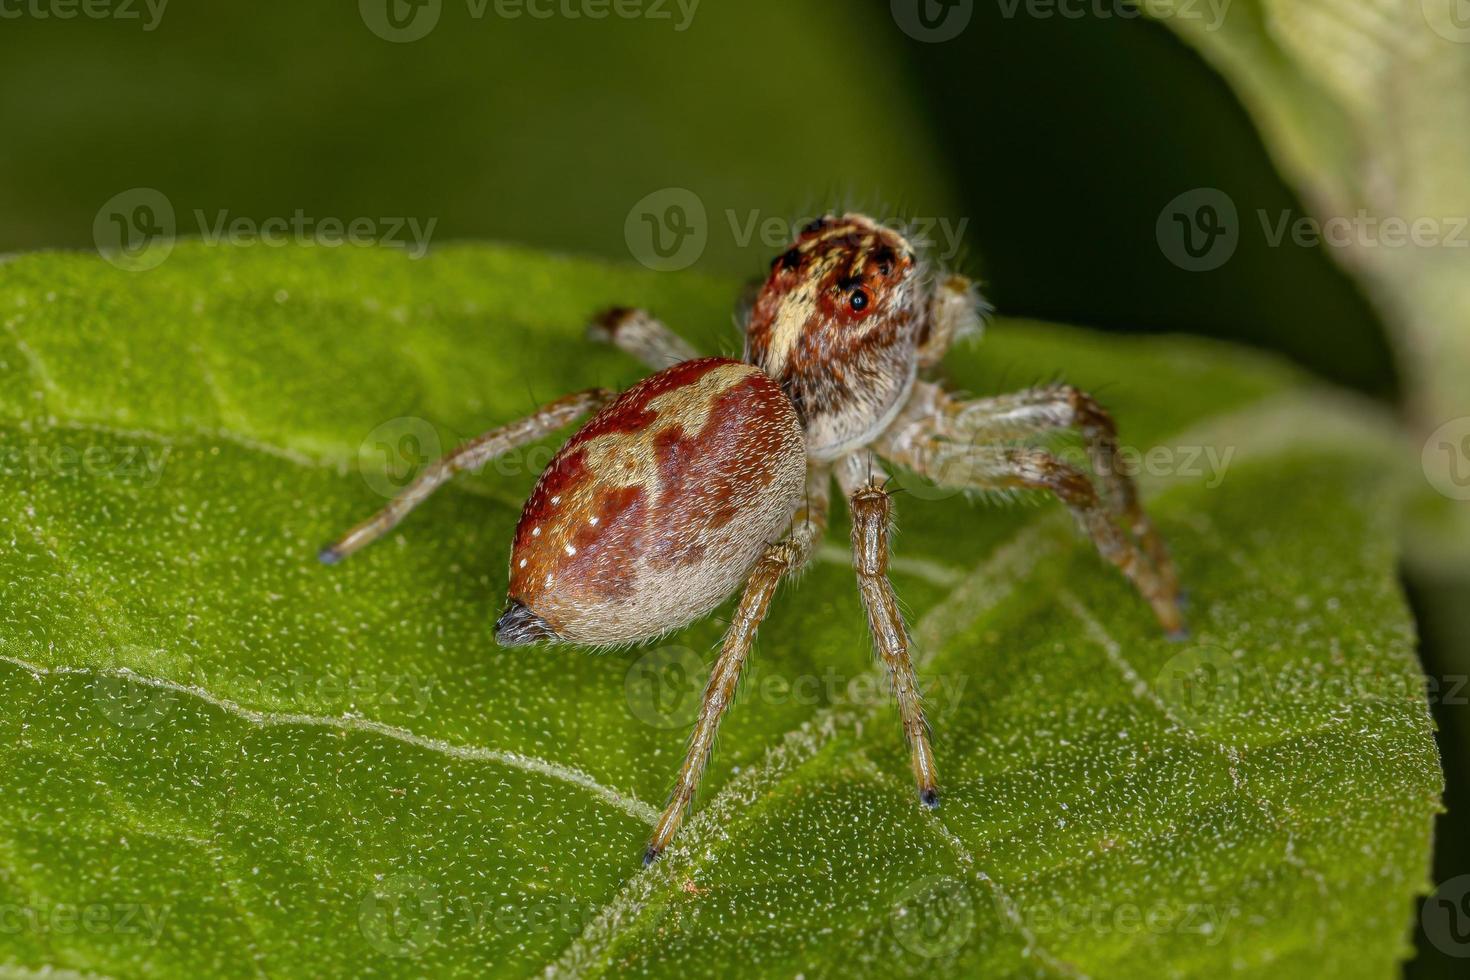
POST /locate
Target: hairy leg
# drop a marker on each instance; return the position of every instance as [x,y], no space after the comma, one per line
[954,426]
[472,455]
[639,334]
[779,561]
[1028,468]
[872,518]
[956,311]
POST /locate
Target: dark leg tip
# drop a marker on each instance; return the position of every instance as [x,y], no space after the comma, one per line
[1181,635]
[650,856]
[329,556]
[930,798]
[605,324]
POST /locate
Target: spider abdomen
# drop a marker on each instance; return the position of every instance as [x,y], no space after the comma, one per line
[657,508]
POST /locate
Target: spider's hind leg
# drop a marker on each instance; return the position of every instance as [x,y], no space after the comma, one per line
[638,333]
[470,456]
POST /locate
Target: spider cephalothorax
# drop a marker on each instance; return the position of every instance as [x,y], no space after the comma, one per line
[837,324]
[714,475]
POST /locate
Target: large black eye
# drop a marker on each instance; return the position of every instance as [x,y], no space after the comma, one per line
[859,300]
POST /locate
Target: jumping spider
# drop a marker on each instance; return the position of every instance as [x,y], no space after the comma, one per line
[715,473]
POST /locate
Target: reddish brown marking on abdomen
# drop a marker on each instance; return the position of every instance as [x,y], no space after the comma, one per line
[672,490]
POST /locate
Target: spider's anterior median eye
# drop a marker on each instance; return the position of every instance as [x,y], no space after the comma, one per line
[859,300]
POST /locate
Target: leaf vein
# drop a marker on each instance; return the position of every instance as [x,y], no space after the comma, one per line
[629,804]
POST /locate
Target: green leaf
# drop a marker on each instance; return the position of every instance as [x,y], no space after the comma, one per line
[1364,105]
[222,757]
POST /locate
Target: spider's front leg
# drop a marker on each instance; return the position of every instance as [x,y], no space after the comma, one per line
[778,562]
[941,439]
[638,333]
[956,311]
[470,456]
[1040,410]
[872,520]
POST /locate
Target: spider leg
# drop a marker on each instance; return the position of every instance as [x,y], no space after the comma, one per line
[1033,412]
[1010,467]
[872,519]
[639,334]
[472,455]
[956,311]
[779,561]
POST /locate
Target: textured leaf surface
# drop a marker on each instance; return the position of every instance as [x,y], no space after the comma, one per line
[220,756]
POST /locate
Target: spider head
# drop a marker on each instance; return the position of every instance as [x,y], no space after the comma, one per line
[837,324]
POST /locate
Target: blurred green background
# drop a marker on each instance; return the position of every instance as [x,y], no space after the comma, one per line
[1049,145]
[1056,141]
